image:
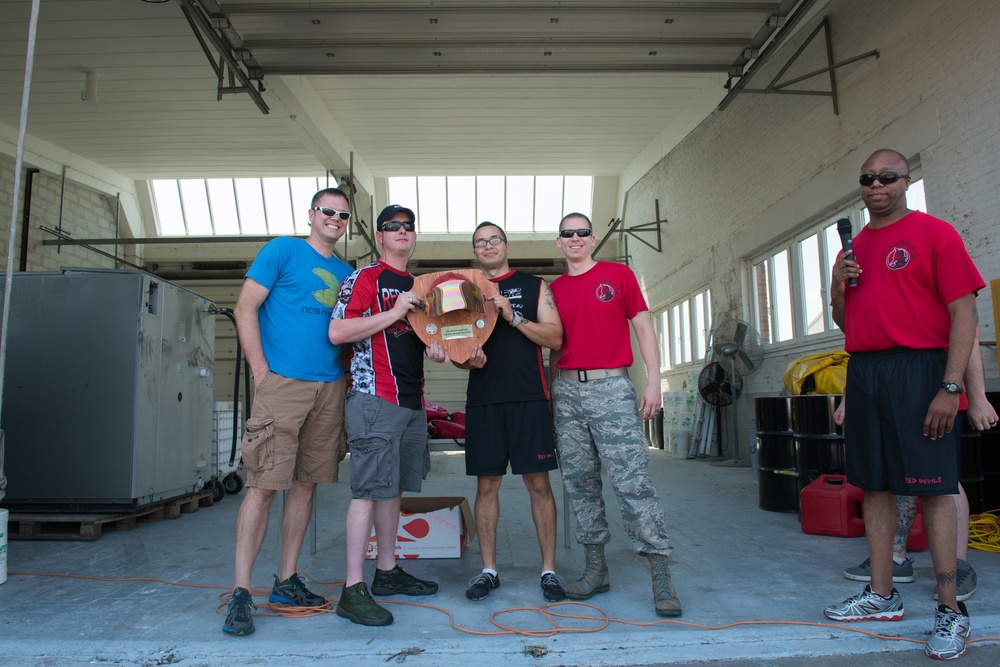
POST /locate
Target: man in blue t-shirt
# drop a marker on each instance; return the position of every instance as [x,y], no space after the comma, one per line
[295,435]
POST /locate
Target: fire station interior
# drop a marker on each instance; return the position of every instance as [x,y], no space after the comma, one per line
[150,148]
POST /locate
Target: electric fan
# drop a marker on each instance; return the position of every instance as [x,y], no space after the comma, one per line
[739,351]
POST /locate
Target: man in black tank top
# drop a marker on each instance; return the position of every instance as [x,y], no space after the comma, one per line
[508,420]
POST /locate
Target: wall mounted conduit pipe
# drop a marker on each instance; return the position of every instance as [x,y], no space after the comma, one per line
[26,219]
[29,65]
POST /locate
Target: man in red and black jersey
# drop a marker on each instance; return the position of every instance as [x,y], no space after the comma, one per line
[386,423]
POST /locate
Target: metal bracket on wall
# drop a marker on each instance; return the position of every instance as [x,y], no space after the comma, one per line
[235,61]
[781,88]
[645,228]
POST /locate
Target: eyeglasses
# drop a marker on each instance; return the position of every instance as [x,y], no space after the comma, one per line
[396,225]
[482,243]
[568,233]
[885,178]
[333,213]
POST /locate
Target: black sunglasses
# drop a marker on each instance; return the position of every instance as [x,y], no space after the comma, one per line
[333,213]
[396,225]
[568,233]
[885,178]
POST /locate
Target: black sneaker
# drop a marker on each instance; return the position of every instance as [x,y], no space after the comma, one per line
[293,592]
[481,585]
[239,620]
[357,605]
[552,589]
[397,580]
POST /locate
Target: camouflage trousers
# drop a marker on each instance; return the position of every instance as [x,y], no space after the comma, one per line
[597,422]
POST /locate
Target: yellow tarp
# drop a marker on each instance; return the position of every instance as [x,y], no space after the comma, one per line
[818,373]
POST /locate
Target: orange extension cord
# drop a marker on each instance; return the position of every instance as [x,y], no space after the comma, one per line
[550,612]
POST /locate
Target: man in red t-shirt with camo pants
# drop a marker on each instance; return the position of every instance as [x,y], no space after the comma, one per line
[594,408]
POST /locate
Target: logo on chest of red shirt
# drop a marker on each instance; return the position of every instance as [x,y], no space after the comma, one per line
[605,291]
[899,256]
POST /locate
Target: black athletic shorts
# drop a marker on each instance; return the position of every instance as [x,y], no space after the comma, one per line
[516,433]
[887,396]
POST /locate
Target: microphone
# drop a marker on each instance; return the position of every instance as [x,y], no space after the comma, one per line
[844,229]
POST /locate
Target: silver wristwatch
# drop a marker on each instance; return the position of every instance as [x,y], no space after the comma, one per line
[518,318]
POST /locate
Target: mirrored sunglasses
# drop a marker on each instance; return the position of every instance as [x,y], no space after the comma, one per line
[568,233]
[396,225]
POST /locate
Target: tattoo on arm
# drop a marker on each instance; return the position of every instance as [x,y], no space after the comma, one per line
[547,296]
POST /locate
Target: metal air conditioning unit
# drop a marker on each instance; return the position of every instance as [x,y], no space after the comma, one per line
[108,392]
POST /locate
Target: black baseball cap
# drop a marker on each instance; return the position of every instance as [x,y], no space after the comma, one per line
[391,210]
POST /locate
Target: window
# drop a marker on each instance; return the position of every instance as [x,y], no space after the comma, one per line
[683,329]
[791,281]
[234,206]
[445,204]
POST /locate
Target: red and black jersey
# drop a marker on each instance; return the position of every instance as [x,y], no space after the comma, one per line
[390,363]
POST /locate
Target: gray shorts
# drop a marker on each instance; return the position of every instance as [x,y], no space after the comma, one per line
[389,450]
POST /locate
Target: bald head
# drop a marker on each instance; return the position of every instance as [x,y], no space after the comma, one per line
[883,155]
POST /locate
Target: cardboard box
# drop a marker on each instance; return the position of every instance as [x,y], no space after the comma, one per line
[431,527]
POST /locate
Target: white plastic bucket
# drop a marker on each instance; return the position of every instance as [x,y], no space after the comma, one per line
[680,441]
[4,515]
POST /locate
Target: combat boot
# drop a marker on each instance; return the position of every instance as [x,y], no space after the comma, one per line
[595,575]
[664,596]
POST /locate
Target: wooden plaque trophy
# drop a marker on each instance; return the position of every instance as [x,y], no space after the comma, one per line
[457,311]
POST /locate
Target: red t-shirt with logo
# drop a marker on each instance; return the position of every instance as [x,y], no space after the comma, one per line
[911,270]
[595,308]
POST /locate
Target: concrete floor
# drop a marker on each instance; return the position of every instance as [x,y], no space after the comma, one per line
[733,563]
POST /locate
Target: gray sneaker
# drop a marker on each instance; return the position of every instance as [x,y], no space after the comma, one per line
[901,574]
[965,581]
[867,606]
[951,630]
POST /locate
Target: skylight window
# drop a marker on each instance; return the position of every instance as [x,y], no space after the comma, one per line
[456,204]
[234,206]
[443,204]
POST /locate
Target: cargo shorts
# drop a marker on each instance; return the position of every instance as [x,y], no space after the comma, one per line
[295,432]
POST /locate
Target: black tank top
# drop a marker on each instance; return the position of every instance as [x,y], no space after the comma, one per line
[514,371]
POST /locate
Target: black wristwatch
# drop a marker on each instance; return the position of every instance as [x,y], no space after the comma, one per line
[952,387]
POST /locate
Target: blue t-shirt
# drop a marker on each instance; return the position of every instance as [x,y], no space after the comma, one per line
[295,317]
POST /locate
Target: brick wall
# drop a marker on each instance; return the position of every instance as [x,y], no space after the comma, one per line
[770,164]
[85,214]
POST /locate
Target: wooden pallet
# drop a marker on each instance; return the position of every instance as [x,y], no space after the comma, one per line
[25,526]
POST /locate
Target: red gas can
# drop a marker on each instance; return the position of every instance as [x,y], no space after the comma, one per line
[917,541]
[831,506]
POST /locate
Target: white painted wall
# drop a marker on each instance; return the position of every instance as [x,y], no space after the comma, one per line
[769,164]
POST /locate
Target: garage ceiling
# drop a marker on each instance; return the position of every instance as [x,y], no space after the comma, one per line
[406,87]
